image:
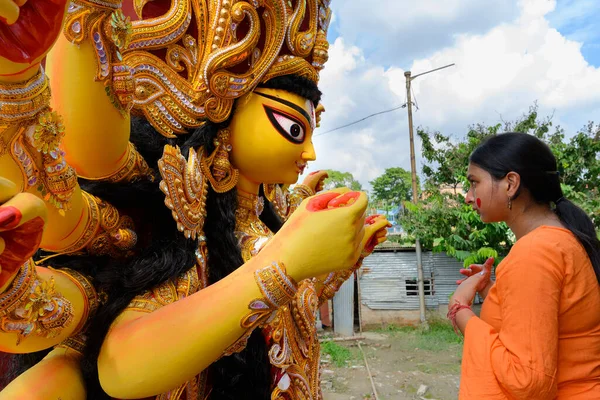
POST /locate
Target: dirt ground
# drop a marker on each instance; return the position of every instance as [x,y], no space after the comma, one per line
[403,361]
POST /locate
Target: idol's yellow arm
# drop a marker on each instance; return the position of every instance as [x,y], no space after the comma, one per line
[145,354]
[57,376]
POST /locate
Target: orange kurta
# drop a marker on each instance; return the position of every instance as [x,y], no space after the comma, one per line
[539,332]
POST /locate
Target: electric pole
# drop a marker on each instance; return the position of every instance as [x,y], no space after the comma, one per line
[415,192]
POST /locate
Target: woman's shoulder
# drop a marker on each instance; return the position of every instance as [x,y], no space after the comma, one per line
[549,244]
[548,238]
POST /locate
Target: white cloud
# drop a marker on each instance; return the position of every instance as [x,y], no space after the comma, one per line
[499,74]
[400,30]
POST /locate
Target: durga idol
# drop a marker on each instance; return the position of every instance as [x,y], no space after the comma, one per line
[150,246]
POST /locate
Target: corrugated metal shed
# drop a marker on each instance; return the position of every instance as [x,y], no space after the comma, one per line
[343,304]
[446,274]
[389,278]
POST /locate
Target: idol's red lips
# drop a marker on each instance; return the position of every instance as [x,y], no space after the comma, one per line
[301,166]
[33,33]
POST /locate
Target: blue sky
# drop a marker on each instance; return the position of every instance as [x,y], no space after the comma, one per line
[579,20]
[509,54]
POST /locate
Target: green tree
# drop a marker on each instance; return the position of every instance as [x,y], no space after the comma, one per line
[579,167]
[393,187]
[341,179]
[444,223]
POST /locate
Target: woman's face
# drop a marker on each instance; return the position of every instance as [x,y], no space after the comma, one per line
[271,136]
[487,196]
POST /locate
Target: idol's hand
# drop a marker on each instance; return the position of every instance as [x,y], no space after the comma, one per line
[28,29]
[375,232]
[325,234]
[315,180]
[22,218]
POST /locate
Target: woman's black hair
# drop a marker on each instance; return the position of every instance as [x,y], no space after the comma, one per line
[163,253]
[533,160]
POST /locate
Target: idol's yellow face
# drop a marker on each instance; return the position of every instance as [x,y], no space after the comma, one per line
[271,136]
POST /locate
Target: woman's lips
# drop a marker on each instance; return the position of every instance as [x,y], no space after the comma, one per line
[37,27]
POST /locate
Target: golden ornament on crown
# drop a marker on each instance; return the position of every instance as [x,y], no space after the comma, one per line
[191,59]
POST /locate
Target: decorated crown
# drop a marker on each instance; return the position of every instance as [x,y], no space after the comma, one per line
[190,59]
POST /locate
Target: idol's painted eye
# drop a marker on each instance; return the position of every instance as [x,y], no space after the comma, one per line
[287,125]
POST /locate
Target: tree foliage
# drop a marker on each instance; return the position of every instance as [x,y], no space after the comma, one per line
[393,187]
[341,179]
[443,222]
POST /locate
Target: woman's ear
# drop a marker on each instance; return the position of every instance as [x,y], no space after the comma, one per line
[514,182]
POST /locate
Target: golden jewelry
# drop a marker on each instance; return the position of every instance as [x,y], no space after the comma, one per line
[109,31]
[185,74]
[278,290]
[116,236]
[60,180]
[26,104]
[202,263]
[276,196]
[32,306]
[185,187]
[295,346]
[335,280]
[75,343]
[91,299]
[252,234]
[303,191]
[105,233]
[217,168]
[24,101]
[167,292]
[134,169]
[286,203]
[91,228]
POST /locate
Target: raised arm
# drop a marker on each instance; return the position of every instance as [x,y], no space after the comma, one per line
[521,358]
[145,354]
[39,307]
[82,66]
[57,376]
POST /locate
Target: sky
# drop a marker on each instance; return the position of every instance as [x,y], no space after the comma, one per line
[509,54]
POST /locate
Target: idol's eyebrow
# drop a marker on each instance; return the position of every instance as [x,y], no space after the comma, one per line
[287,103]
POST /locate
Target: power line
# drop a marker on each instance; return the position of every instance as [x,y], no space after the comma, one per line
[362,119]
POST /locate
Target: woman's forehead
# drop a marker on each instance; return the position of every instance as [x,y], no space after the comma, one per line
[474,169]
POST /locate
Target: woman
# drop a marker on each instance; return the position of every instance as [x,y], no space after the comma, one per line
[538,336]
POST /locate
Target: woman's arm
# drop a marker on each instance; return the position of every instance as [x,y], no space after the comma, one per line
[521,358]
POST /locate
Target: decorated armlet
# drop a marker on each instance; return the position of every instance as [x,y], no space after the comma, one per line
[107,233]
[170,291]
[103,24]
[134,169]
[278,290]
[76,341]
[335,280]
[284,201]
[32,306]
[39,130]
[91,297]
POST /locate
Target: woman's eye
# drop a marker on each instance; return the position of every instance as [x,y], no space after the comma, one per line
[288,126]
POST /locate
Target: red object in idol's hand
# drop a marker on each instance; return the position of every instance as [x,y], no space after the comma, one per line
[38,26]
[19,243]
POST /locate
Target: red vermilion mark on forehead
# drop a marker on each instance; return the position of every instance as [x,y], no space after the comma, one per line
[478,201]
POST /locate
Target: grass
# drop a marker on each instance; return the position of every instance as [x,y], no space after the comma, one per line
[439,337]
[339,354]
